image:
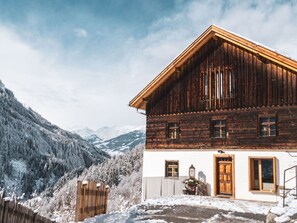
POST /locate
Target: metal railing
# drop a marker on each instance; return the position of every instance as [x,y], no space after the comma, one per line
[286,191]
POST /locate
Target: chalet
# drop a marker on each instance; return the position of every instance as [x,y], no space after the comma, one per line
[227,106]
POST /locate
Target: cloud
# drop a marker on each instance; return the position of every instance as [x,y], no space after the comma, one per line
[267,22]
[77,87]
[80,32]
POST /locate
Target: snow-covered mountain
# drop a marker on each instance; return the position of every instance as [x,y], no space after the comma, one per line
[34,154]
[114,140]
[122,143]
[85,132]
[106,132]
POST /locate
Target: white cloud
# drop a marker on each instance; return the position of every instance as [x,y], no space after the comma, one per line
[72,95]
[80,32]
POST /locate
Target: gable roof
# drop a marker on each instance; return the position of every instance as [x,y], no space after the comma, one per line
[213,31]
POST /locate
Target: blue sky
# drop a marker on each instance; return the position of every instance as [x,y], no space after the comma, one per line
[79,63]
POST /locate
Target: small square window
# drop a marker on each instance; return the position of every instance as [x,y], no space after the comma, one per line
[267,126]
[218,128]
[171,168]
[173,130]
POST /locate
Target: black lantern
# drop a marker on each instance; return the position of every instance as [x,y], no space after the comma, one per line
[192,172]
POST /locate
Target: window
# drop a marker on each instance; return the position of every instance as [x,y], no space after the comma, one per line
[267,126]
[230,84]
[217,84]
[171,168]
[218,128]
[221,85]
[173,130]
[262,174]
[206,86]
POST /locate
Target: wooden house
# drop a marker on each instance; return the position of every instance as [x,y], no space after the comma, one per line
[227,106]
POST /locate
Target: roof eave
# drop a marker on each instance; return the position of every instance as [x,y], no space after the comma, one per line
[139,101]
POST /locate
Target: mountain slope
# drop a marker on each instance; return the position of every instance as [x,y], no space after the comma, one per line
[122,143]
[123,173]
[33,152]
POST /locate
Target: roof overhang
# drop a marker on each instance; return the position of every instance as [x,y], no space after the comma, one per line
[139,101]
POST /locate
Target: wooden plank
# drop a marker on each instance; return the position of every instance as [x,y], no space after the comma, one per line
[243,126]
[78,214]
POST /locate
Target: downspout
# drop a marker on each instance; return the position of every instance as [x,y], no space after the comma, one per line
[139,112]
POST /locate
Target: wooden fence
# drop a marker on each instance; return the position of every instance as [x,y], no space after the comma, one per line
[91,199]
[11,212]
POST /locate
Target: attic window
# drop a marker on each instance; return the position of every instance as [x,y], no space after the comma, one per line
[230,90]
[206,86]
[217,83]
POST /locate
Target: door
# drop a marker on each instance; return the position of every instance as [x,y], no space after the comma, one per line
[224,175]
[225,178]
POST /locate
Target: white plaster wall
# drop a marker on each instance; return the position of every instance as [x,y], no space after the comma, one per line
[154,166]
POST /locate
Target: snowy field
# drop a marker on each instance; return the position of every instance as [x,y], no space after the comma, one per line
[187,208]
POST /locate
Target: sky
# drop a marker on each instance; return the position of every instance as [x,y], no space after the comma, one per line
[78,63]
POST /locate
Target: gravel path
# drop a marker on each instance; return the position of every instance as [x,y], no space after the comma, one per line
[190,214]
[190,209]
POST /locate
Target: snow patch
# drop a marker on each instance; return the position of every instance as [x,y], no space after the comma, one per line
[278,210]
[284,213]
[223,204]
[19,166]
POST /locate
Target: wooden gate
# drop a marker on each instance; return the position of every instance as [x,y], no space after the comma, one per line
[91,199]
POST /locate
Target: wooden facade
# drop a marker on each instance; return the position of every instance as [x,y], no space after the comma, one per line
[222,77]
[242,128]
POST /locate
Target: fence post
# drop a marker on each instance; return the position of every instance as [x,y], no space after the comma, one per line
[2,208]
[5,206]
[97,198]
[78,212]
[34,217]
[106,198]
[86,186]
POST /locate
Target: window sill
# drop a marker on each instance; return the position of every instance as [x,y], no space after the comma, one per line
[262,192]
[172,178]
[267,136]
[169,139]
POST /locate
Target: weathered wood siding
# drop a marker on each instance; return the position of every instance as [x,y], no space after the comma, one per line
[254,82]
[242,128]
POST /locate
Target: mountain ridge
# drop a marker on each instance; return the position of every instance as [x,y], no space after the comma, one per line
[107,132]
[125,138]
[35,153]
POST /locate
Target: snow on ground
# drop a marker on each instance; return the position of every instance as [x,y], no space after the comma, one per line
[220,203]
[285,213]
[141,213]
